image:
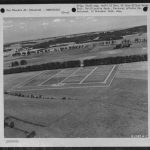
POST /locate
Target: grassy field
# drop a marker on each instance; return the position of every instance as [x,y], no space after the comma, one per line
[119,110]
[13,80]
[43,76]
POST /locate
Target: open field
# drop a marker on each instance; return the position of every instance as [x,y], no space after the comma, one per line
[11,81]
[111,101]
[133,71]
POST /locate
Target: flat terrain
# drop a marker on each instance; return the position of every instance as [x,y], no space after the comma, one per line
[119,108]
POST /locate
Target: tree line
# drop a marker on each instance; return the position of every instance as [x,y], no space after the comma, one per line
[115,60]
[18,94]
[45,66]
[77,63]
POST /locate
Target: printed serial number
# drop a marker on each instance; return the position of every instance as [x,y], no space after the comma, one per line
[139,136]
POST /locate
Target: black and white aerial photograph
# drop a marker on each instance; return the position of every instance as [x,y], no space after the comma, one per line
[75,77]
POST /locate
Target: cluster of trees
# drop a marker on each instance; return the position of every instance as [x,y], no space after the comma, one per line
[46,66]
[23,62]
[137,40]
[16,63]
[115,60]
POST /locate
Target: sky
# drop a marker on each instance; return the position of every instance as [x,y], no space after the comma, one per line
[20,29]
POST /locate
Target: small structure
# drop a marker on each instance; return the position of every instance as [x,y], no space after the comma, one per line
[123,44]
